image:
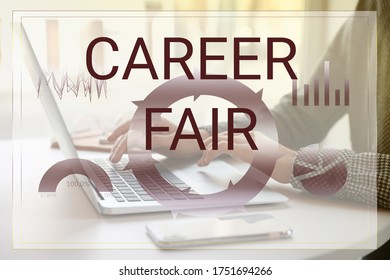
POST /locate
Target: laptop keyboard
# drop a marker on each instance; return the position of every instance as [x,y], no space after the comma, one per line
[145,183]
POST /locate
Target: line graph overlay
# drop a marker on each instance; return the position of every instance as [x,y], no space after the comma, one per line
[83,83]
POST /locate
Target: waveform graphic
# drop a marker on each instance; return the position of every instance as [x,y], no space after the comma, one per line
[82,83]
[326,101]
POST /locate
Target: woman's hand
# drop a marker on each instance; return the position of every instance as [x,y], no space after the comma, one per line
[242,151]
[161,141]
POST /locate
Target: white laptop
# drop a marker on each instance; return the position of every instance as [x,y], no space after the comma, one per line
[129,193]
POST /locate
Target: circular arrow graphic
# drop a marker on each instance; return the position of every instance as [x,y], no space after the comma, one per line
[261,168]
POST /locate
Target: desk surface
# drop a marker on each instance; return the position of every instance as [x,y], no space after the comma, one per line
[323,228]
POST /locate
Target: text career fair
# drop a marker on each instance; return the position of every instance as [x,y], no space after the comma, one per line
[140,49]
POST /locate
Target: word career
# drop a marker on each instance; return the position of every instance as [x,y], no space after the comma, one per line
[140,49]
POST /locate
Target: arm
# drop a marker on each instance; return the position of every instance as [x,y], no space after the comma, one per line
[299,126]
[363,177]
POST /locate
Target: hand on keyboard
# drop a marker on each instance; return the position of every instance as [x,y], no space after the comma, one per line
[161,141]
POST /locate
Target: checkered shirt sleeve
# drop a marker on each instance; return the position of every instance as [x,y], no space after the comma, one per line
[364,177]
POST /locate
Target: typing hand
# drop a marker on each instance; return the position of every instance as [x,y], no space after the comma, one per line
[242,151]
[161,141]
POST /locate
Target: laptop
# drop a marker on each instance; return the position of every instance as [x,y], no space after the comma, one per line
[130,193]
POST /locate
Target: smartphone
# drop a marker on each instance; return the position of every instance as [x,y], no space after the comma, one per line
[205,231]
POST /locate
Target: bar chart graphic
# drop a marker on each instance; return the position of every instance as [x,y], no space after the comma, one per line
[326,97]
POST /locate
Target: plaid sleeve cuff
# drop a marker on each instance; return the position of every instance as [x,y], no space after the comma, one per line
[320,171]
[343,174]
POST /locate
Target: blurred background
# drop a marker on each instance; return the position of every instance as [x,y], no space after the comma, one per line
[50,43]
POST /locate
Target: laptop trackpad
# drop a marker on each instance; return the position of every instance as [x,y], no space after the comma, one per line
[205,180]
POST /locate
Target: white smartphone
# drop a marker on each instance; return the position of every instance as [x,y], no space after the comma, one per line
[202,231]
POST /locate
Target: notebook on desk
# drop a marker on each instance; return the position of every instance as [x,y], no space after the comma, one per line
[141,192]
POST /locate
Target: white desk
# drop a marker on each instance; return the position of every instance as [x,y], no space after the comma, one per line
[70,222]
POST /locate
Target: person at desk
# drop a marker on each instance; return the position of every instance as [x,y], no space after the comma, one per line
[350,172]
